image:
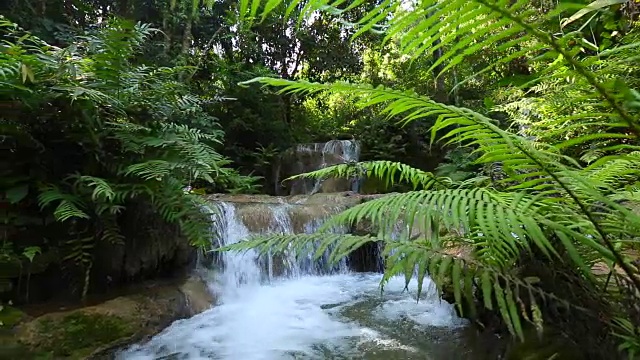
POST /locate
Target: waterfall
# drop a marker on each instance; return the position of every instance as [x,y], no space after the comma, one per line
[237,267]
[240,268]
[308,157]
[287,307]
[291,306]
[337,152]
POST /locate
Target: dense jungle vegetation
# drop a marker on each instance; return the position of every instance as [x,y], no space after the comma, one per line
[510,129]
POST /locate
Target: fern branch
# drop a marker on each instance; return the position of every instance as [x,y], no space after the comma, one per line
[389,171]
[412,259]
[569,58]
[495,143]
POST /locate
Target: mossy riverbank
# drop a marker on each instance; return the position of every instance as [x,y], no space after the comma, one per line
[95,332]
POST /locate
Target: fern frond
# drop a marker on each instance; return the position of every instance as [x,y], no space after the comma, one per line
[68,205]
[415,259]
[546,200]
[306,245]
[461,29]
[534,168]
[102,189]
[614,171]
[389,171]
[150,170]
[528,164]
[186,210]
[498,225]
[110,231]
[80,250]
[177,149]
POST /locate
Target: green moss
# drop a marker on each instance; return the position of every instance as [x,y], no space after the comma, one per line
[78,334]
[9,316]
[373,185]
[12,350]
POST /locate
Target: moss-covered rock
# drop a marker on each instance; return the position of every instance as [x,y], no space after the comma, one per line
[9,316]
[78,334]
[95,331]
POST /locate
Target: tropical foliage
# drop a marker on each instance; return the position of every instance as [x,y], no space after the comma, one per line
[120,137]
[105,115]
[513,123]
[560,195]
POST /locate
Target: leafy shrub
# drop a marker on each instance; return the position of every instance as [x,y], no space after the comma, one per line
[88,130]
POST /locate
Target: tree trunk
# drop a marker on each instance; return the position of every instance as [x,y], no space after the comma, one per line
[440,94]
[186,38]
[167,34]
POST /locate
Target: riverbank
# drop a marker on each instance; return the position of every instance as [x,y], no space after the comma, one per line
[95,331]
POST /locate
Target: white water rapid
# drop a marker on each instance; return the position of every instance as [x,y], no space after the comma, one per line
[305,311]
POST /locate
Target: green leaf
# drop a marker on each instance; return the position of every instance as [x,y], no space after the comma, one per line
[27,73]
[486,281]
[596,5]
[17,193]
[31,251]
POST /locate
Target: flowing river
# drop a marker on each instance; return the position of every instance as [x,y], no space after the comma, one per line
[306,311]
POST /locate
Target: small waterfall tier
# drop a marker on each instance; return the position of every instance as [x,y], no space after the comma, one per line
[287,307]
[237,217]
[308,157]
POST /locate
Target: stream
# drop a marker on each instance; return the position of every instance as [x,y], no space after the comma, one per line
[340,316]
[307,311]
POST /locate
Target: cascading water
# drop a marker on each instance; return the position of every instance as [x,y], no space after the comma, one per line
[346,151]
[308,157]
[306,311]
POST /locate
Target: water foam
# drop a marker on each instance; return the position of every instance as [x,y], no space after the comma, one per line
[303,315]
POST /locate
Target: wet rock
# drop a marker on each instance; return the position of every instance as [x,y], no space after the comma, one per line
[338,199]
[309,157]
[151,249]
[256,217]
[96,331]
[197,295]
[259,213]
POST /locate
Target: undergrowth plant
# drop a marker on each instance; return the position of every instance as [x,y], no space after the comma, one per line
[561,205]
[89,131]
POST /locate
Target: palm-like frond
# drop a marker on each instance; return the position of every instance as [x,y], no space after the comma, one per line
[551,203]
[614,172]
[533,167]
[389,171]
[68,206]
[459,29]
[547,202]
[176,150]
